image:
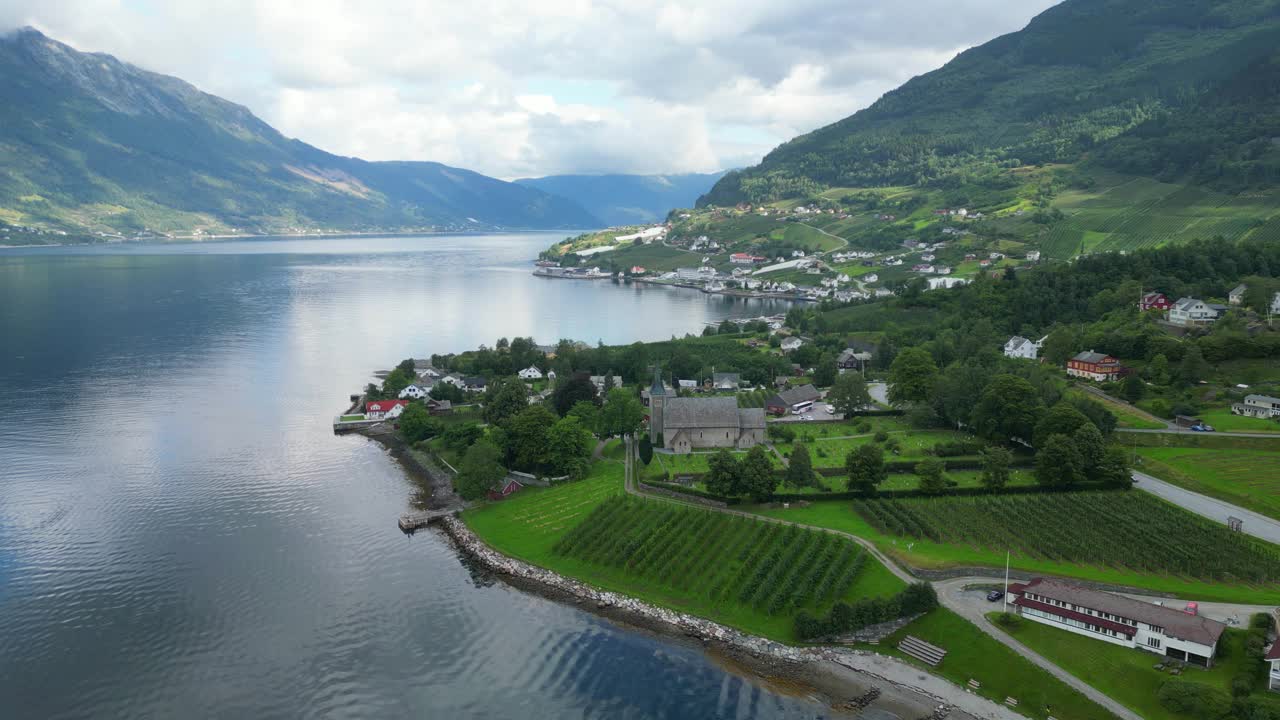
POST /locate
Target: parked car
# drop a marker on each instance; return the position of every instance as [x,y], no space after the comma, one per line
[1202,428]
[995,595]
[1192,608]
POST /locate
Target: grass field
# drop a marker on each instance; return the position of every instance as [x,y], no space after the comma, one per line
[972,654]
[1126,416]
[1225,421]
[351,418]
[1248,478]
[1127,675]
[932,555]
[913,444]
[529,525]
[1093,528]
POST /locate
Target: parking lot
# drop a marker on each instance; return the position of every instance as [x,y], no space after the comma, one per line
[817,413]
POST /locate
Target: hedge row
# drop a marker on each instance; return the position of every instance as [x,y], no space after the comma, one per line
[886,494]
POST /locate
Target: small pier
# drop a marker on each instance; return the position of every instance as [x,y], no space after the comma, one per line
[421,518]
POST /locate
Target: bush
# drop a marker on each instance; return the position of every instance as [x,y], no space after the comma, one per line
[956,448]
[781,433]
[863,427]
[1194,699]
[881,436]
[847,618]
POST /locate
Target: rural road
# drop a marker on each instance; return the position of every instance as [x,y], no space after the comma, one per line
[1257,525]
[1182,431]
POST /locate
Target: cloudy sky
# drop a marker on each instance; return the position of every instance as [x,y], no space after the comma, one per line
[518,88]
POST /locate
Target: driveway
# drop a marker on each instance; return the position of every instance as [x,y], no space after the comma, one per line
[879,392]
[1259,526]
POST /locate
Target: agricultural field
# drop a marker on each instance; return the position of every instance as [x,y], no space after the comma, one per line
[910,481]
[1088,528]
[923,553]
[1248,478]
[655,258]
[1124,674]
[807,237]
[739,571]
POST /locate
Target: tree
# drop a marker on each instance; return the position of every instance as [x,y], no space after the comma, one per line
[911,376]
[569,447]
[504,399]
[932,479]
[1062,419]
[480,471]
[1113,469]
[849,395]
[446,391]
[527,438]
[1007,410]
[866,469]
[587,413]
[576,389]
[1058,462]
[799,467]
[728,327]
[1158,369]
[1132,388]
[724,474]
[417,424]
[460,437]
[622,414]
[1090,446]
[646,450]
[1193,367]
[824,375]
[758,479]
[609,382]
[995,467]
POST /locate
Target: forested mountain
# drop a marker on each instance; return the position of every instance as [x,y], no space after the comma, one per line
[89,142]
[1133,80]
[628,199]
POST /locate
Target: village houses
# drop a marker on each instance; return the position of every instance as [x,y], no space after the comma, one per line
[531,373]
[1020,347]
[1095,366]
[1191,312]
[413,392]
[384,409]
[1236,296]
[1154,301]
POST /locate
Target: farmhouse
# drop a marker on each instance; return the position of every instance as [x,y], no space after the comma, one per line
[1154,301]
[384,409]
[509,488]
[1236,296]
[1119,620]
[782,403]
[414,392]
[686,424]
[531,373]
[1094,366]
[725,381]
[851,359]
[1020,347]
[1258,406]
[1189,312]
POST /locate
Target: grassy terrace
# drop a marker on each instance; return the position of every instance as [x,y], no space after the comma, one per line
[1126,416]
[1125,674]
[672,568]
[1248,478]
[925,553]
[972,654]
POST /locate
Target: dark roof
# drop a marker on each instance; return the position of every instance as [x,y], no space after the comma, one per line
[750,418]
[861,345]
[473,381]
[1090,356]
[713,412]
[1127,630]
[1177,624]
[804,393]
[658,388]
[1274,652]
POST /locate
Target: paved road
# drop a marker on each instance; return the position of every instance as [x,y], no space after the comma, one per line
[879,392]
[1255,524]
[1184,431]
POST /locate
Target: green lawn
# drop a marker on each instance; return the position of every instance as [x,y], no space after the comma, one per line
[912,444]
[1248,478]
[351,418]
[974,655]
[1126,416]
[528,526]
[1225,421]
[931,555]
[1127,675]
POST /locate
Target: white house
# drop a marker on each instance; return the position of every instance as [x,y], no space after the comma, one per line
[1020,347]
[1259,406]
[1189,312]
[1033,256]
[1275,304]
[384,409]
[414,392]
[871,277]
[1236,296]
[454,380]
[944,283]
[531,373]
[791,343]
[1119,620]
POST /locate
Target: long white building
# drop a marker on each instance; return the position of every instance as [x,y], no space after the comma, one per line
[1119,620]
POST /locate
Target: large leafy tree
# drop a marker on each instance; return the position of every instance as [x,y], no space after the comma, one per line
[504,399]
[849,394]
[866,468]
[758,479]
[931,472]
[799,467]
[417,424]
[724,474]
[577,388]
[824,375]
[622,413]
[911,376]
[1008,409]
[569,447]
[995,467]
[1062,419]
[1113,469]
[1058,463]
[480,470]
[527,438]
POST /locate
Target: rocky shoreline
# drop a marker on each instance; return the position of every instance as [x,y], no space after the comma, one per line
[844,677]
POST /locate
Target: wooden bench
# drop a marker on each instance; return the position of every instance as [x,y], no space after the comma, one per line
[926,653]
[1011,702]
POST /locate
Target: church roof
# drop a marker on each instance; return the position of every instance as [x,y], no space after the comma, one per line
[715,412]
[658,388]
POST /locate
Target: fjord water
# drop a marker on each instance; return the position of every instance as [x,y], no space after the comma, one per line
[181,535]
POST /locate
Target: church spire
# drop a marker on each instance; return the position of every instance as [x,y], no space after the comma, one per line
[658,388]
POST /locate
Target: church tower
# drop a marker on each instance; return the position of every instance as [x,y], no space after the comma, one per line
[657,399]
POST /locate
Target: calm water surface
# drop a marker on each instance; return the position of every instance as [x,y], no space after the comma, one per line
[182,536]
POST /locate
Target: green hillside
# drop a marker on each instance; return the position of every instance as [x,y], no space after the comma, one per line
[91,143]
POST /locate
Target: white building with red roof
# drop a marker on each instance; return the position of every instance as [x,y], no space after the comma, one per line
[384,409]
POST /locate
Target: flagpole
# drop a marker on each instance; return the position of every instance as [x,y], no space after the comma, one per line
[1006,581]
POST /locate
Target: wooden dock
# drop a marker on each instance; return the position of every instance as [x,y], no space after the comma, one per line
[421,518]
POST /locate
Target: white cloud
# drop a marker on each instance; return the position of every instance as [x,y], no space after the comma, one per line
[467,83]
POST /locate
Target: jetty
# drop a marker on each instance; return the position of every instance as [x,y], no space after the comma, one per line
[421,518]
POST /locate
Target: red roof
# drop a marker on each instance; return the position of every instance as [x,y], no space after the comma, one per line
[381,406]
[1274,652]
[1073,615]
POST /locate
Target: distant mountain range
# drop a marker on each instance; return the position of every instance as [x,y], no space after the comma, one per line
[90,143]
[628,199]
[1176,90]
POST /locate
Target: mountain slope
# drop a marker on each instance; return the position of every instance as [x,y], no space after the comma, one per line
[627,199]
[89,142]
[1080,74]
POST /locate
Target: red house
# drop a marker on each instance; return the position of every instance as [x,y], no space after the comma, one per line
[384,409]
[512,486]
[1154,301]
[1094,366]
